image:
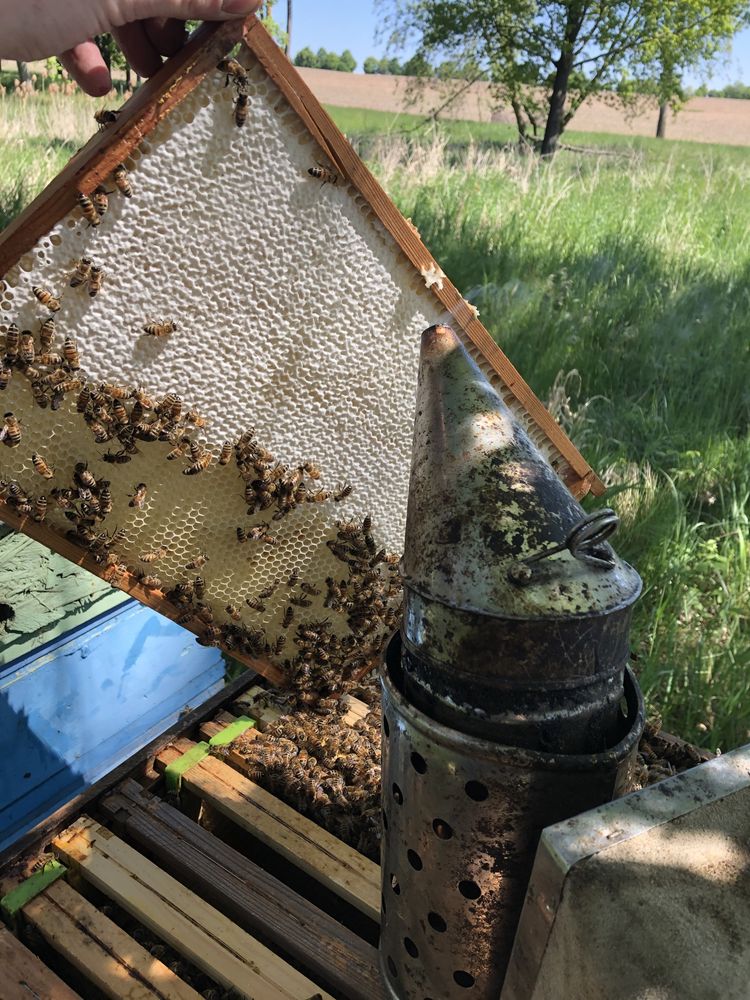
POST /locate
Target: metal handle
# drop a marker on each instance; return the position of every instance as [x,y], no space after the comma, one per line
[585,541]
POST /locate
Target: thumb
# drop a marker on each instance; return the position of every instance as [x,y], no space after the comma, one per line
[200,10]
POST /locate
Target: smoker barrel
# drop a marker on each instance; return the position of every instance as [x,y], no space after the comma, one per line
[508,703]
[462,818]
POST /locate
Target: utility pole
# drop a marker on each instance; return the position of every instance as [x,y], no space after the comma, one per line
[288,46]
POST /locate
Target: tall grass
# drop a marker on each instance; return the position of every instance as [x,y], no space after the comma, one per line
[620,286]
[621,289]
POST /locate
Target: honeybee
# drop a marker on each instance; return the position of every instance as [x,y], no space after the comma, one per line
[150,557]
[70,353]
[138,498]
[69,385]
[83,477]
[226,453]
[162,329]
[343,492]
[234,71]
[100,198]
[88,209]
[293,578]
[117,457]
[105,116]
[12,337]
[210,636]
[26,348]
[41,466]
[288,618]
[105,497]
[202,462]
[255,603]
[10,434]
[96,280]
[312,470]
[179,449]
[151,582]
[84,397]
[200,560]
[300,601]
[121,179]
[323,174]
[194,418]
[278,646]
[309,589]
[240,109]
[46,334]
[241,535]
[46,298]
[100,432]
[199,587]
[40,508]
[268,591]
[5,377]
[81,273]
[119,412]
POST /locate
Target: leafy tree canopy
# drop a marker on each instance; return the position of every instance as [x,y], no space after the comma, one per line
[575,48]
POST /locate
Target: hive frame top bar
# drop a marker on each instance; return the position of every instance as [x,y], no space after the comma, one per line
[177,78]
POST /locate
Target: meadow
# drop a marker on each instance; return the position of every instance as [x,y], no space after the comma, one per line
[618,282]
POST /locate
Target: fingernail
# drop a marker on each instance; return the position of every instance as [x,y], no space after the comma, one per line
[238,6]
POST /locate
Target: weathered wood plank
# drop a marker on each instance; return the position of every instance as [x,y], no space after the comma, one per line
[180,917]
[24,977]
[296,838]
[101,950]
[246,893]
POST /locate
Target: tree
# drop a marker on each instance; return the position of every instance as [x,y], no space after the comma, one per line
[371,65]
[24,75]
[270,24]
[347,62]
[571,48]
[306,57]
[418,65]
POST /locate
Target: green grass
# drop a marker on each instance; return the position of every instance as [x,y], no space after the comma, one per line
[620,286]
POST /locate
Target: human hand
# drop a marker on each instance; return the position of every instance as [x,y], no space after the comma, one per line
[145,30]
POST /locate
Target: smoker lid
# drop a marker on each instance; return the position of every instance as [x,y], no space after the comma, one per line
[485,505]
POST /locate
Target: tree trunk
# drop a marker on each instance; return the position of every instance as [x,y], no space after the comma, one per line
[556,117]
[520,122]
[288,48]
[23,72]
[661,125]
[128,76]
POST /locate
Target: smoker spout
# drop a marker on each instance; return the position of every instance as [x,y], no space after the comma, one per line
[511,632]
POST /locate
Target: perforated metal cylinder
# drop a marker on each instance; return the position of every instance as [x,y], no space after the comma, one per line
[462,817]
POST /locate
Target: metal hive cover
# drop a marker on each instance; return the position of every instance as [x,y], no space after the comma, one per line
[298,306]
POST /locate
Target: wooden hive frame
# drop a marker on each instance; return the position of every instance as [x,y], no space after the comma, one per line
[94,163]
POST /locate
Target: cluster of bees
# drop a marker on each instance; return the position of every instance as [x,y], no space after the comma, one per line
[660,758]
[325,769]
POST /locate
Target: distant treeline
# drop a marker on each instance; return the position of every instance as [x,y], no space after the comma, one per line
[739,91]
[416,66]
[323,59]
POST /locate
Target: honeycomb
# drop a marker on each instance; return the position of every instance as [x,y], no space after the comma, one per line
[297,315]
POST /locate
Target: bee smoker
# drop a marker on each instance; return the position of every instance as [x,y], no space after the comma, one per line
[508,704]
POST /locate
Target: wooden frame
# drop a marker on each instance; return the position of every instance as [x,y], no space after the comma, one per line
[93,164]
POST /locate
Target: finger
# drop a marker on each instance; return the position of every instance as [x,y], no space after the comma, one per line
[137,48]
[202,10]
[85,64]
[166,34]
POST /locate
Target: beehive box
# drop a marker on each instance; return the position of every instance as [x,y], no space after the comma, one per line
[297,299]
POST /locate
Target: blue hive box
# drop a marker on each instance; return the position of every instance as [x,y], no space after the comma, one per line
[77,701]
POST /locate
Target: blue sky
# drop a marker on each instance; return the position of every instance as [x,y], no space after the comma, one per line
[351,24]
